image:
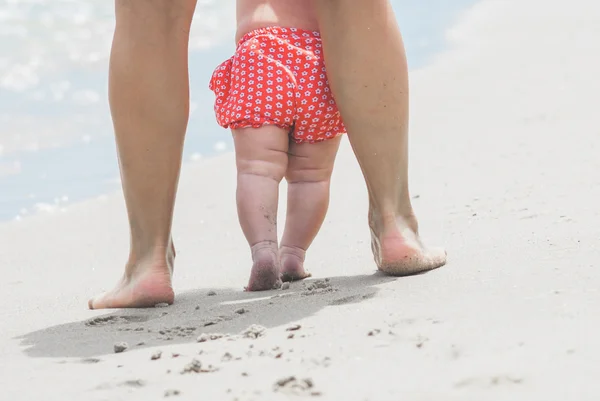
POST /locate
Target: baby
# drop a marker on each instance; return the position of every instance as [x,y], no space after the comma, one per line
[274,96]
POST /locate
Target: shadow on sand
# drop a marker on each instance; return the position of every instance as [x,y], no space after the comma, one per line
[196,312]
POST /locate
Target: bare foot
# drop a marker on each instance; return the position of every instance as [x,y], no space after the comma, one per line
[400,251]
[292,264]
[143,285]
[265,268]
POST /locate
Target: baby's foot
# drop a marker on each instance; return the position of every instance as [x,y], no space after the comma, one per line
[291,260]
[265,268]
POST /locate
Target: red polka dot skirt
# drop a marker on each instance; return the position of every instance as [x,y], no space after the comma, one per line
[277,77]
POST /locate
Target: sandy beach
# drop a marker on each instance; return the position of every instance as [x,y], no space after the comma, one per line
[505,173]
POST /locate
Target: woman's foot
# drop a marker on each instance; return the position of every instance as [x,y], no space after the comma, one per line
[398,249]
[145,283]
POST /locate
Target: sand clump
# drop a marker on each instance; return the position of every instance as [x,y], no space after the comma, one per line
[195,366]
[318,287]
[374,332]
[254,331]
[204,337]
[293,386]
[172,392]
[294,327]
[120,347]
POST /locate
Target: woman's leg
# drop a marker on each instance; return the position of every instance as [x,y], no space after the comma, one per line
[149,101]
[368,74]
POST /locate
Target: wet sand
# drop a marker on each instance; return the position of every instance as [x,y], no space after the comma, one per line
[504,169]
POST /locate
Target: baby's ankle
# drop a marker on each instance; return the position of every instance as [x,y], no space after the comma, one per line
[264,247]
[288,250]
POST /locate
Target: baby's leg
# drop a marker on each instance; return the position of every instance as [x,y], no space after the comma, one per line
[261,159]
[309,176]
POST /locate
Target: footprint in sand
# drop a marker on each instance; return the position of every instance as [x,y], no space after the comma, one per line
[111,320]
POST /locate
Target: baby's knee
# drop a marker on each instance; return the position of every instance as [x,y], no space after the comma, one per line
[273,167]
[307,174]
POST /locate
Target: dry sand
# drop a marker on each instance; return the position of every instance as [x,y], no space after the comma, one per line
[505,173]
